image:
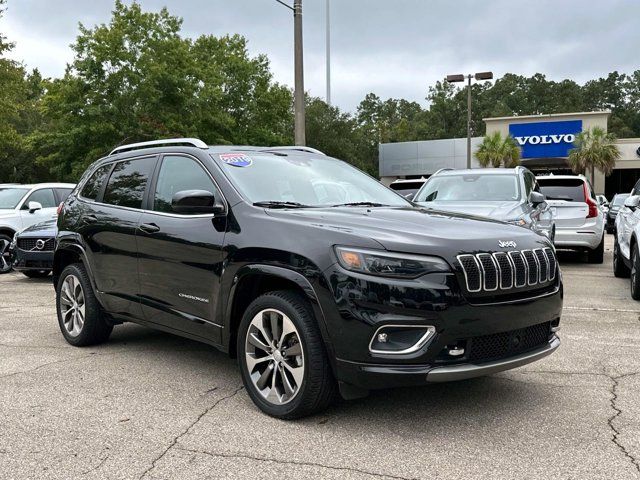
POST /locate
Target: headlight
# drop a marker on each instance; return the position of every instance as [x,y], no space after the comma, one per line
[388,264]
[520,221]
[14,242]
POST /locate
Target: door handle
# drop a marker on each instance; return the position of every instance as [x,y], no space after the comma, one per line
[149,227]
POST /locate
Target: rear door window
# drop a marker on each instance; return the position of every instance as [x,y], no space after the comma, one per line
[92,188]
[128,182]
[570,190]
[63,193]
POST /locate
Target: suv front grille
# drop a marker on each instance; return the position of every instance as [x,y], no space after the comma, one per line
[486,272]
[507,344]
[29,244]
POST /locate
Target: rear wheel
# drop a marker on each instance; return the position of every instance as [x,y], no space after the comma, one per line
[5,260]
[37,273]
[282,357]
[80,317]
[597,255]
[620,269]
[635,271]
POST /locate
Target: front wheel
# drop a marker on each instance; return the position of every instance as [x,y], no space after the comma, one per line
[635,271]
[597,254]
[282,357]
[5,258]
[620,269]
[80,316]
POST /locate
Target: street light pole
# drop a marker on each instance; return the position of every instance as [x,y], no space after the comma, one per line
[328,40]
[469,122]
[460,78]
[298,101]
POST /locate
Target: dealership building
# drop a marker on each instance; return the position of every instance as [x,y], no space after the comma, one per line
[545,141]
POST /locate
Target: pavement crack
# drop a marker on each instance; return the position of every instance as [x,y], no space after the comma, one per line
[177,438]
[93,469]
[295,462]
[617,412]
[64,360]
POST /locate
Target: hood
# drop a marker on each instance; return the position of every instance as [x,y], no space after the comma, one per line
[7,212]
[495,210]
[43,229]
[412,230]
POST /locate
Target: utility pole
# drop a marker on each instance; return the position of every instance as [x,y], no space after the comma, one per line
[469,122]
[298,101]
[328,39]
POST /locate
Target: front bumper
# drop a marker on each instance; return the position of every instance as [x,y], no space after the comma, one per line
[32,260]
[368,376]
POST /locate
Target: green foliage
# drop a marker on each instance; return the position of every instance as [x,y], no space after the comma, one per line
[594,149]
[497,151]
[137,78]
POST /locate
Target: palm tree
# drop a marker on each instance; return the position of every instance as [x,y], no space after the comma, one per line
[594,149]
[496,151]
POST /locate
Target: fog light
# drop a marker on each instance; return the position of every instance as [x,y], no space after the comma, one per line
[400,339]
[456,352]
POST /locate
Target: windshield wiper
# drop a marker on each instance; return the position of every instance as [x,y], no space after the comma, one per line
[280,204]
[360,204]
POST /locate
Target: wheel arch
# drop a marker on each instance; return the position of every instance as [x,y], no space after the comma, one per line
[10,232]
[67,254]
[251,281]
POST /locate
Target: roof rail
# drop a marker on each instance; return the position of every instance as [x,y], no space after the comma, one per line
[299,148]
[193,142]
[446,169]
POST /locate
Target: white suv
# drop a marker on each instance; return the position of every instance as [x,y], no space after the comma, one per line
[24,205]
[579,219]
[626,253]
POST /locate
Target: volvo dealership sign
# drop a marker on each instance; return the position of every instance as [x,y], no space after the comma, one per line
[545,139]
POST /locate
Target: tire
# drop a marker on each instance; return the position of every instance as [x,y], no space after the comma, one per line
[635,273]
[78,291]
[5,261]
[37,273]
[313,387]
[620,269]
[597,255]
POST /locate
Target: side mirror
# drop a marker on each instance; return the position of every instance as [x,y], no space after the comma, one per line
[34,206]
[193,202]
[536,198]
[632,202]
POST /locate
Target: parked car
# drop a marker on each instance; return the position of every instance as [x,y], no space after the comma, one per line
[507,194]
[578,217]
[616,204]
[603,202]
[32,249]
[24,205]
[626,257]
[407,188]
[230,246]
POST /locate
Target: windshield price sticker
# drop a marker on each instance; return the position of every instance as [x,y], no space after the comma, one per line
[236,159]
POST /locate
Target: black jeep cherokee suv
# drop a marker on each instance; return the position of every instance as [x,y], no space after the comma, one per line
[312,273]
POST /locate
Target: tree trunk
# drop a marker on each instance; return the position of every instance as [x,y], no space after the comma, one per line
[593,176]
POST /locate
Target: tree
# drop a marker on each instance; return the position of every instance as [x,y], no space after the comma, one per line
[496,151]
[594,149]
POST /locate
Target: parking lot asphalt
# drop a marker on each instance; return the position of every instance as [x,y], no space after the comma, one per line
[148,405]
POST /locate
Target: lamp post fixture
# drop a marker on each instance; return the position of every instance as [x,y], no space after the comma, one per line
[460,78]
[298,93]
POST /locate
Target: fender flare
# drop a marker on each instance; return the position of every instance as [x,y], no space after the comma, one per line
[286,274]
[82,255]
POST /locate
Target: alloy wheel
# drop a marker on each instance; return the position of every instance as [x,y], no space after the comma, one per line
[5,261]
[274,356]
[72,305]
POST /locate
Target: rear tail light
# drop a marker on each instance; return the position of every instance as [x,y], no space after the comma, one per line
[59,211]
[593,206]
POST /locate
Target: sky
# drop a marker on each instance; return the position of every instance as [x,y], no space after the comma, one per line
[393,48]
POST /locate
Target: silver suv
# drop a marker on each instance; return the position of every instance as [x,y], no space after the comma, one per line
[578,216]
[24,205]
[511,195]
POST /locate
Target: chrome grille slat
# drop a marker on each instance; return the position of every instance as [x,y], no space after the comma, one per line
[488,272]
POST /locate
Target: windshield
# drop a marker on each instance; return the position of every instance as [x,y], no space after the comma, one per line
[10,197]
[304,180]
[470,188]
[619,199]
